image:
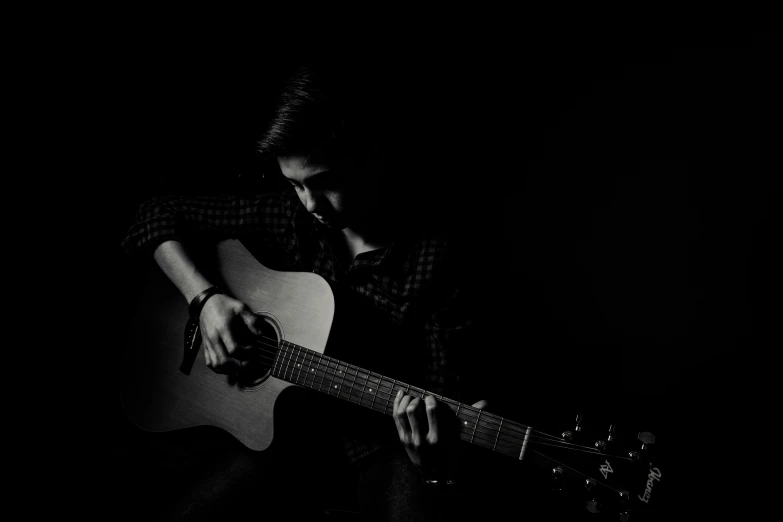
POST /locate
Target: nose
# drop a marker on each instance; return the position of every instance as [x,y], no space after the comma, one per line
[311,201]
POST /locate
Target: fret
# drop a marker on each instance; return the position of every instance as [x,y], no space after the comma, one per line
[361,397]
[300,358]
[326,376]
[497,435]
[287,362]
[311,370]
[464,422]
[372,404]
[352,386]
[275,370]
[332,386]
[296,365]
[393,395]
[361,375]
[303,373]
[316,373]
[342,380]
[341,373]
[475,426]
[280,355]
[338,374]
[293,364]
[277,360]
[332,383]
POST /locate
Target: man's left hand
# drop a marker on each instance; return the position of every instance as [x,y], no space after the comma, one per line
[426,433]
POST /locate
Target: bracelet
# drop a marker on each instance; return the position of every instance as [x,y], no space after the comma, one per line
[194,309]
[439,483]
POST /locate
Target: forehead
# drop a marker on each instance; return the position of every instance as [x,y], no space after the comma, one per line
[298,168]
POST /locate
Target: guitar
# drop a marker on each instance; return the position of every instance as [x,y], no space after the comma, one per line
[164,390]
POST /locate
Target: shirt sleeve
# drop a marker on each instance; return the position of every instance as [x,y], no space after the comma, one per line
[179,217]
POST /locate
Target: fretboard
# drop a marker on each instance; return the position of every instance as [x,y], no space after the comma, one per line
[316,371]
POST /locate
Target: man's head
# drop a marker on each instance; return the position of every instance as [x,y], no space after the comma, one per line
[326,135]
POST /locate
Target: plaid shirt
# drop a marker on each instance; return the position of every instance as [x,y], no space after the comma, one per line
[411,282]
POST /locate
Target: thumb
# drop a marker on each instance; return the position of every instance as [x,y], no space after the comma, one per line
[481,404]
[251,320]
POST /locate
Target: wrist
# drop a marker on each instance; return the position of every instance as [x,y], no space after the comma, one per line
[198,302]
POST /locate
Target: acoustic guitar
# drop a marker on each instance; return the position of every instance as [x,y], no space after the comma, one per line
[165,390]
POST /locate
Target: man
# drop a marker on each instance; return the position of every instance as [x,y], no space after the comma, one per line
[350,216]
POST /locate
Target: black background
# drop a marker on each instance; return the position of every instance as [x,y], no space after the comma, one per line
[621,192]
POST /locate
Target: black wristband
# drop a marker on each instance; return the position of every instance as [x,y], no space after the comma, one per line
[441,488]
[194,310]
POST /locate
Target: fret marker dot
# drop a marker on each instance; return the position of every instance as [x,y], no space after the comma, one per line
[370,389]
[466,423]
[297,365]
[312,369]
[335,386]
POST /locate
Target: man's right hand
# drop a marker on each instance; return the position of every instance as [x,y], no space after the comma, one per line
[227,326]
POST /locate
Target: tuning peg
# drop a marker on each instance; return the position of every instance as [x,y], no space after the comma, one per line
[557,480]
[625,510]
[602,444]
[569,435]
[593,506]
[646,438]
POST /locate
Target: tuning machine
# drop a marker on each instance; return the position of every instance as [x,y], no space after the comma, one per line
[571,435]
[647,439]
[602,444]
[557,480]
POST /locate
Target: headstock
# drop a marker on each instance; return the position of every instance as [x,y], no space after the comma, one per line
[611,471]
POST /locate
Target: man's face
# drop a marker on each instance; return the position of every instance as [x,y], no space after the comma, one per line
[336,195]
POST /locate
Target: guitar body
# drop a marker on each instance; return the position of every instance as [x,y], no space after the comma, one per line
[158,397]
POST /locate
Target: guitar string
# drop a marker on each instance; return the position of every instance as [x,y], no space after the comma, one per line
[496,437]
[319,377]
[318,372]
[464,408]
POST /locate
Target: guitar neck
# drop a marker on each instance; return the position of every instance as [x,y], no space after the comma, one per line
[356,385]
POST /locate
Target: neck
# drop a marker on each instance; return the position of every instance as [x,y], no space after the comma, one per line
[314,370]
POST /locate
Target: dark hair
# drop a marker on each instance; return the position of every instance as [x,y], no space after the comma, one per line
[325,109]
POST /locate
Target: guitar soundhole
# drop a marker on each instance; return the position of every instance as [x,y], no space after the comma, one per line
[258,360]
